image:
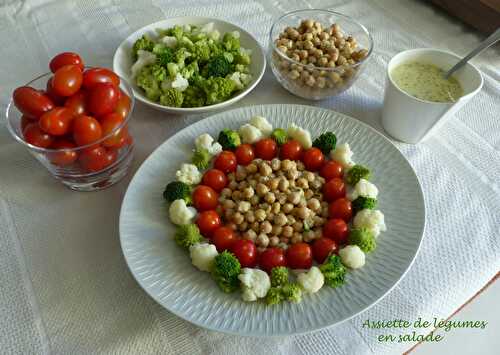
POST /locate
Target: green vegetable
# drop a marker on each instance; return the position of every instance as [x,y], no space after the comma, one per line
[274,296]
[201,158]
[189,70]
[218,89]
[219,66]
[225,271]
[325,142]
[362,203]
[193,97]
[363,238]
[201,51]
[143,43]
[176,190]
[279,276]
[164,54]
[333,271]
[187,235]
[180,56]
[242,58]
[292,292]
[147,79]
[229,139]
[159,73]
[356,173]
[176,31]
[172,97]
[231,41]
[280,136]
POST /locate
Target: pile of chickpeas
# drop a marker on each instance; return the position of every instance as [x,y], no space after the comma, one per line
[274,203]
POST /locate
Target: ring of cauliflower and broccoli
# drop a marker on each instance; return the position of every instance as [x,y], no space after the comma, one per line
[278,194]
[190,66]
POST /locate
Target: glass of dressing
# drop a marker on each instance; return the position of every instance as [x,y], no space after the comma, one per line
[418,100]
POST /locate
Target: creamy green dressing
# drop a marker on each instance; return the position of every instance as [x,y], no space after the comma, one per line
[426,82]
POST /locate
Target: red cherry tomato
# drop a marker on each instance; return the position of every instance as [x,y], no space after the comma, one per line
[77,103]
[32,103]
[341,208]
[67,80]
[63,157]
[244,154]
[223,238]
[334,189]
[299,256]
[109,123]
[96,158]
[291,150]
[226,162]
[272,257]
[57,121]
[65,58]
[125,140]
[35,136]
[245,252]
[323,247]
[86,130]
[98,76]
[337,230]
[331,170]
[25,121]
[216,179]
[208,222]
[313,159]
[123,105]
[102,99]
[57,99]
[205,198]
[266,149]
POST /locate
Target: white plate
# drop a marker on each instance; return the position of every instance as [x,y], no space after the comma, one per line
[165,271]
[122,60]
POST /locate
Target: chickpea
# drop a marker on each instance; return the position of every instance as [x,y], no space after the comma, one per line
[294,174]
[283,64]
[309,236]
[290,219]
[282,49]
[308,37]
[312,60]
[320,83]
[309,176]
[303,212]
[243,206]
[250,235]
[274,183]
[334,77]
[274,241]
[255,226]
[251,168]
[262,240]
[276,207]
[314,204]
[310,81]
[232,226]
[270,216]
[318,221]
[295,57]
[342,60]
[308,194]
[287,231]
[265,227]
[280,219]
[260,215]
[262,189]
[236,195]
[324,36]
[248,192]
[243,226]
[228,214]
[238,218]
[283,184]
[296,238]
[308,45]
[323,61]
[281,198]
[340,43]
[242,185]
[233,185]
[252,183]
[254,200]
[226,192]
[229,204]
[324,212]
[307,23]
[250,217]
[294,197]
[298,226]
[241,173]
[316,41]
[276,230]
[302,183]
[265,169]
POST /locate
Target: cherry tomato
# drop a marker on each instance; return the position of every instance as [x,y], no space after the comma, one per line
[223,238]
[98,76]
[57,121]
[65,58]
[266,149]
[244,154]
[299,256]
[334,189]
[96,158]
[25,120]
[35,136]
[272,257]
[77,103]
[226,162]
[337,230]
[245,252]
[205,198]
[313,159]
[102,99]
[109,123]
[32,103]
[208,222]
[341,208]
[123,105]
[57,99]
[323,247]
[125,139]
[67,80]
[331,170]
[216,179]
[86,130]
[64,157]
[291,150]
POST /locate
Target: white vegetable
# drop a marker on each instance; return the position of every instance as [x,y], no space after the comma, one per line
[187,28]
[203,255]
[263,124]
[363,188]
[180,213]
[255,284]
[215,149]
[250,134]
[352,256]
[235,34]
[206,141]
[143,58]
[343,155]
[215,35]
[208,27]
[189,174]
[166,84]
[373,220]
[180,83]
[312,280]
[301,135]
[236,79]
[169,41]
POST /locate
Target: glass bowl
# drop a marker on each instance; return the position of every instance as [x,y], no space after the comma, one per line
[112,154]
[329,75]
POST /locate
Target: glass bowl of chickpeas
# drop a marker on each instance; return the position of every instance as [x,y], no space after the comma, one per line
[316,54]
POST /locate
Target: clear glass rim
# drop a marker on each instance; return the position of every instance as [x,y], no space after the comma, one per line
[21,140]
[345,17]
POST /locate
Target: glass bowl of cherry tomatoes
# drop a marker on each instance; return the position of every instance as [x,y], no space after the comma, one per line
[74,120]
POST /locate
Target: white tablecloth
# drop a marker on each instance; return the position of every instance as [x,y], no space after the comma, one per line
[65,288]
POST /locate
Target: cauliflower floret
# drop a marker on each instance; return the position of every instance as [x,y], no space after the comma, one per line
[363,188]
[312,280]
[205,141]
[235,34]
[203,255]
[255,284]
[301,135]
[263,124]
[180,213]
[143,58]
[373,220]
[180,83]
[207,28]
[236,79]
[170,41]
[189,174]
[343,155]
[250,134]
[352,256]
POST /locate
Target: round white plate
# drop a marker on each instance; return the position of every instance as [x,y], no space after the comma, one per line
[164,270]
[122,60]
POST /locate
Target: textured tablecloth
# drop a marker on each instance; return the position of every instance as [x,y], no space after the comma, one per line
[65,287]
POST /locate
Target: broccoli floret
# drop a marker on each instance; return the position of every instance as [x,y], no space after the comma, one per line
[173,69]
[193,97]
[218,89]
[146,80]
[229,139]
[279,276]
[180,56]
[362,203]
[164,54]
[216,48]
[177,190]
[171,97]
[241,68]
[280,136]
[176,31]
[226,270]
[143,43]
[187,235]
[229,56]
[201,158]
[218,66]
[242,58]
[325,142]
[274,296]
[292,292]
[333,271]
[186,42]
[189,70]
[363,238]
[231,41]
[201,51]
[159,73]
[356,173]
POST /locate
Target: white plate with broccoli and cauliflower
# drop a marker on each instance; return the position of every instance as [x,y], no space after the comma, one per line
[203,268]
[190,64]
